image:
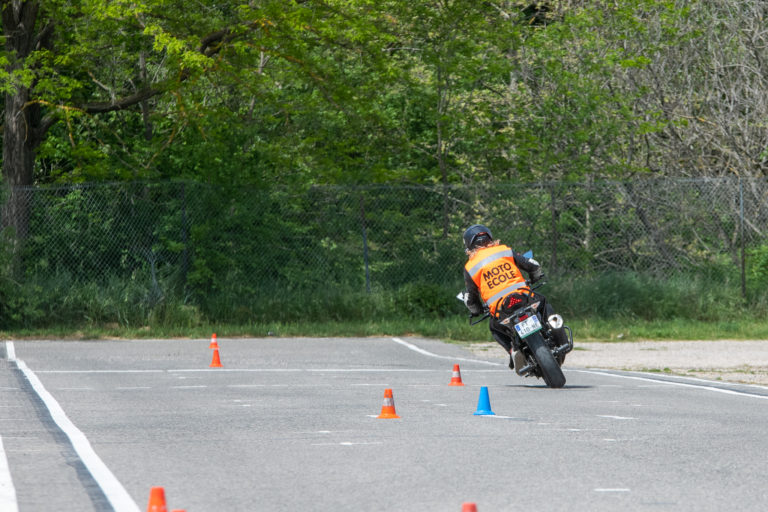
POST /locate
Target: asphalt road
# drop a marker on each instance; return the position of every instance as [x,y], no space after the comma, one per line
[290,425]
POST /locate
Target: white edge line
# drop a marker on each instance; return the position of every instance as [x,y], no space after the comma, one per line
[101,371]
[427,353]
[673,383]
[113,490]
[705,381]
[10,349]
[7,490]
[263,370]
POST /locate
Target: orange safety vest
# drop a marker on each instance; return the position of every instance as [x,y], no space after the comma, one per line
[494,272]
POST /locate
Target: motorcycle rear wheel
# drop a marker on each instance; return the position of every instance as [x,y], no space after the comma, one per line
[550,370]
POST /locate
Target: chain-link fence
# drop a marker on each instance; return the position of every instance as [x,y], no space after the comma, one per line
[199,239]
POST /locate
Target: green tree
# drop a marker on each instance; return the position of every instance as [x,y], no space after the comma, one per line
[118,82]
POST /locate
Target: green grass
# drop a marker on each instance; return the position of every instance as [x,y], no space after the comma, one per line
[449,329]
[672,329]
[608,307]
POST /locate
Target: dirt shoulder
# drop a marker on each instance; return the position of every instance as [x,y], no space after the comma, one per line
[726,360]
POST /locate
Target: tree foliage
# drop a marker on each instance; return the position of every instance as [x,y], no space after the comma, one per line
[357,91]
[266,99]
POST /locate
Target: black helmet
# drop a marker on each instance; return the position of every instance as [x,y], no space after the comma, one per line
[477,236]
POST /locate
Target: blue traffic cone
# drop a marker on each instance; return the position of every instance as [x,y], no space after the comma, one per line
[484,403]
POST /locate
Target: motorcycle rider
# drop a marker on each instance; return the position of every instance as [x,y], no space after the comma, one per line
[494,281]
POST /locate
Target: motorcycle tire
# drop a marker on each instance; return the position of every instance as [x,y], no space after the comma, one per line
[550,370]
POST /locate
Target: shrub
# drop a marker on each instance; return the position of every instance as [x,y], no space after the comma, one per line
[645,297]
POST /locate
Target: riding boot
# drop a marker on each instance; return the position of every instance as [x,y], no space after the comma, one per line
[502,340]
[518,359]
[505,342]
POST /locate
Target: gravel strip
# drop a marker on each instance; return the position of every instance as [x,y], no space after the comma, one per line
[726,360]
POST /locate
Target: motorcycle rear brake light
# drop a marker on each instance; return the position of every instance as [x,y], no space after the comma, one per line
[523,317]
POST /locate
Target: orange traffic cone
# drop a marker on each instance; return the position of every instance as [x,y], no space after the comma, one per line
[456,377]
[216,362]
[156,500]
[388,408]
[214,343]
[468,507]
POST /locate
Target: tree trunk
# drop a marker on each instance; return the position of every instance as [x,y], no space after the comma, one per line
[22,119]
[18,162]
[442,108]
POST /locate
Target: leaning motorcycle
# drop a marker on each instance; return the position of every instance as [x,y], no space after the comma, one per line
[543,341]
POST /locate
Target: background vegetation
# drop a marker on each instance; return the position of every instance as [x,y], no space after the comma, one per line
[267,101]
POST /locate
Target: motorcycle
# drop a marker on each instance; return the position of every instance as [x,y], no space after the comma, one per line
[543,341]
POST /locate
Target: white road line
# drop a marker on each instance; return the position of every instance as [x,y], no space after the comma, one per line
[270,370]
[113,490]
[655,381]
[226,370]
[348,443]
[352,370]
[7,490]
[705,381]
[8,501]
[10,349]
[277,370]
[430,354]
[313,370]
[98,371]
[674,383]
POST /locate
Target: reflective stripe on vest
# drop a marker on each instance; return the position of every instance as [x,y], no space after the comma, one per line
[485,261]
[489,261]
[505,291]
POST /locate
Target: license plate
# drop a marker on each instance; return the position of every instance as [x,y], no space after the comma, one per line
[528,326]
